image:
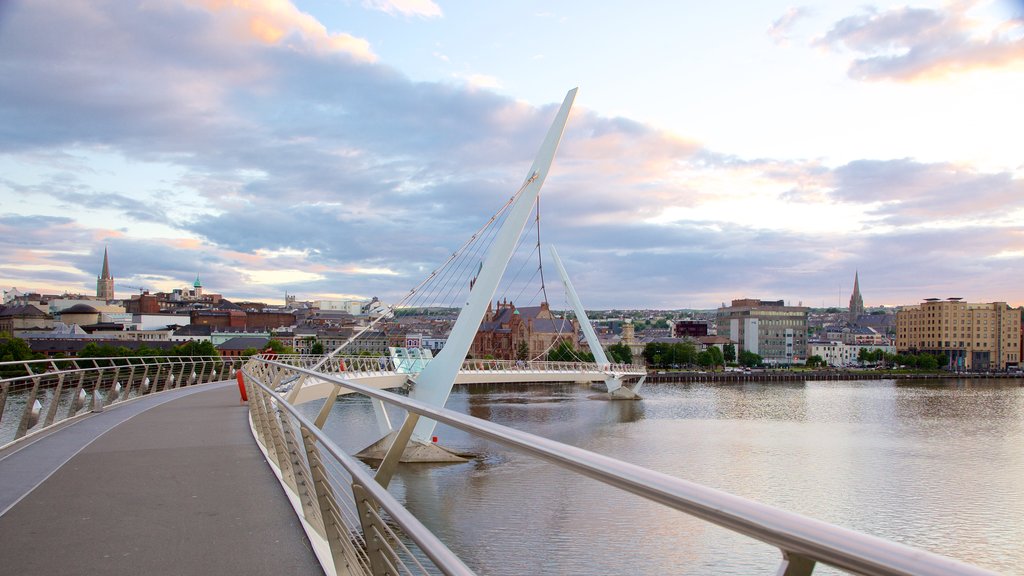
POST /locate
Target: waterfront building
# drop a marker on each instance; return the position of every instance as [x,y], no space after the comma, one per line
[856,301]
[970,336]
[769,328]
[105,282]
[841,354]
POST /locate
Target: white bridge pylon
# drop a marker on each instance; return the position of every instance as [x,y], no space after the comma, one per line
[613,381]
[434,384]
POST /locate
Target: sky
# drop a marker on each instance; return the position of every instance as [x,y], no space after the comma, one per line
[339,149]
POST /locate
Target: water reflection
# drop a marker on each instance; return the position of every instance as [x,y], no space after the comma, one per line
[936,466]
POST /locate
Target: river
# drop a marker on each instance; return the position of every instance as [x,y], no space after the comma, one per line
[937,466]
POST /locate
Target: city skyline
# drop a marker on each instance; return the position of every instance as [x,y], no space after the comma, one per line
[336,150]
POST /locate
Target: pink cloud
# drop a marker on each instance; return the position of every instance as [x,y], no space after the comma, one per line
[907,44]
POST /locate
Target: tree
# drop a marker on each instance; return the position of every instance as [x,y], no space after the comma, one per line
[277,347]
[717,358]
[194,348]
[927,362]
[815,361]
[523,351]
[317,348]
[729,352]
[565,352]
[750,359]
[14,349]
[620,353]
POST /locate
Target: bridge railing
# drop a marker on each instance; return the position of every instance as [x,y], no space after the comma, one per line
[358,524]
[386,364]
[355,525]
[37,394]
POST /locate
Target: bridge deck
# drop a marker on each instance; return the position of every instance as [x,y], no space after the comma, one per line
[176,486]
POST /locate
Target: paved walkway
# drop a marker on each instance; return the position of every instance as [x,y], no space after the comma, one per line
[176,486]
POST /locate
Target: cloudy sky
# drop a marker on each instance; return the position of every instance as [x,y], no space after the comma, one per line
[335,148]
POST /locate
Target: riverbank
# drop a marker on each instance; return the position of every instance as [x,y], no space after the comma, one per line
[661,377]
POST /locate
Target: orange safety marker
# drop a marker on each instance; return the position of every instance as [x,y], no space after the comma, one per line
[241,386]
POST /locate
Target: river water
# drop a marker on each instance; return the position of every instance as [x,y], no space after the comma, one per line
[938,466]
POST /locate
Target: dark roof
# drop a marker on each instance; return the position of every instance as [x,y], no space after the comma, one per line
[194,330]
[244,342]
[552,326]
[73,346]
[80,309]
[227,305]
[25,310]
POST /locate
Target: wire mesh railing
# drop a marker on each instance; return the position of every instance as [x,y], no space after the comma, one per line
[364,530]
[339,364]
[38,394]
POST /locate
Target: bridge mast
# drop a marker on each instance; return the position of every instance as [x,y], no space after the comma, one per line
[434,383]
[613,381]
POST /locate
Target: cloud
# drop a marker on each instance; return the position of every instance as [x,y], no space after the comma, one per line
[421,8]
[264,153]
[907,43]
[780,29]
[909,192]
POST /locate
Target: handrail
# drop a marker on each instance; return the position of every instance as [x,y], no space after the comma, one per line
[129,361]
[431,545]
[36,401]
[372,363]
[802,541]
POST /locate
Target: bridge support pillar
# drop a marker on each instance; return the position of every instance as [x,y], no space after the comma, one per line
[414,451]
[795,565]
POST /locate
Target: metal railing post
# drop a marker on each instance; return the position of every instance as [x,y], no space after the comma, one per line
[51,411]
[26,416]
[3,398]
[335,531]
[277,443]
[76,403]
[303,483]
[259,418]
[373,531]
[128,383]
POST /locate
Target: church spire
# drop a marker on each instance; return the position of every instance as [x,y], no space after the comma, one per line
[856,301]
[106,266]
[105,282]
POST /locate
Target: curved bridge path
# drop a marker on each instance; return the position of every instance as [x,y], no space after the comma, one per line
[167,484]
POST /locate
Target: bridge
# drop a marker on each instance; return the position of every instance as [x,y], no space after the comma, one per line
[212,465]
[160,468]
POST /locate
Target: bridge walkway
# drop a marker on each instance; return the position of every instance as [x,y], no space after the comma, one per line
[175,486]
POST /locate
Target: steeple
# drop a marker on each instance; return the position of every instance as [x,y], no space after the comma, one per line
[105,282]
[106,265]
[856,301]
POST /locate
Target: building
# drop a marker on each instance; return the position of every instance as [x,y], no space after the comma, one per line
[689,329]
[856,301]
[237,346]
[969,336]
[840,354]
[776,332]
[21,318]
[505,326]
[105,282]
